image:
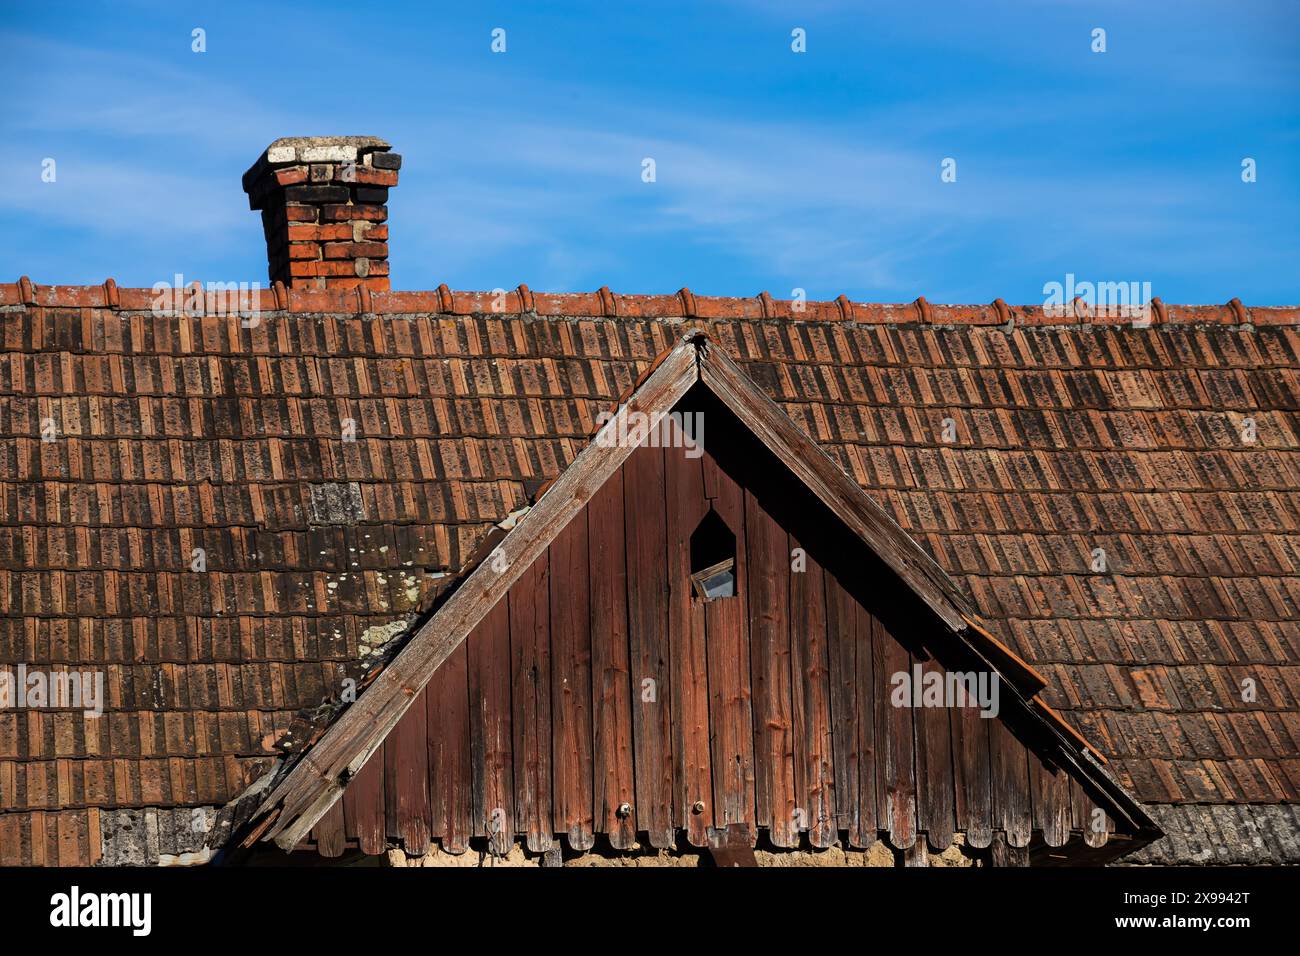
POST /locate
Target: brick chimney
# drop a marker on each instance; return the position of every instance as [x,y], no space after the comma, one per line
[324,210]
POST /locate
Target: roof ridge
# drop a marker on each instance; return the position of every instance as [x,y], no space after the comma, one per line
[603,303]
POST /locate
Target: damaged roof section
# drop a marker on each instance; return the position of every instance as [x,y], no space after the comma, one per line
[157,836]
[378,644]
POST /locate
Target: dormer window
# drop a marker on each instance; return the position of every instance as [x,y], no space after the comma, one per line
[713,558]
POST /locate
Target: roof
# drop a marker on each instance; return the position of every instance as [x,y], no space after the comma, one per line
[199,431]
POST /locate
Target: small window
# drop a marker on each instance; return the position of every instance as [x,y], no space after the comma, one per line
[713,558]
[718,581]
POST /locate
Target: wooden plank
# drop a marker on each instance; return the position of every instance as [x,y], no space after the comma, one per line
[811,698]
[732,847]
[1083,820]
[406,782]
[328,832]
[973,788]
[896,795]
[692,767]
[451,784]
[1003,853]
[842,644]
[649,650]
[491,746]
[571,685]
[1036,804]
[1096,826]
[530,719]
[309,789]
[918,854]
[726,628]
[363,806]
[768,549]
[1010,773]
[1050,795]
[1012,667]
[934,774]
[613,784]
[869,692]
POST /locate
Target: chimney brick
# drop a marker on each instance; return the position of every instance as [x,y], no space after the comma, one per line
[324,210]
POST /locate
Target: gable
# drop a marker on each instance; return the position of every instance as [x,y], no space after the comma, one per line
[602,697]
[636,706]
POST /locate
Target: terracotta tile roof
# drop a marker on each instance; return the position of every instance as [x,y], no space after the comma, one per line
[184,432]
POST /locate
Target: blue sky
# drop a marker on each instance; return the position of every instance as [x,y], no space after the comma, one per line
[774,170]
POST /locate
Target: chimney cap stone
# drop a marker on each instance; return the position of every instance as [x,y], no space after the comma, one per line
[290,150]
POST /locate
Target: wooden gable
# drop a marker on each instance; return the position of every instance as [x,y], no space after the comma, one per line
[601,697]
[592,693]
